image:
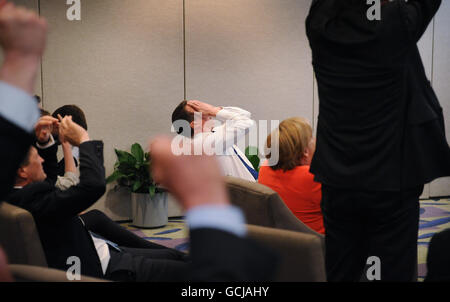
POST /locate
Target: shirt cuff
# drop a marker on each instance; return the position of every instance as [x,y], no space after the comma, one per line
[229,113]
[225,218]
[18,107]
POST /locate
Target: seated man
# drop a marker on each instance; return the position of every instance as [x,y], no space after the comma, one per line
[63,233]
[236,124]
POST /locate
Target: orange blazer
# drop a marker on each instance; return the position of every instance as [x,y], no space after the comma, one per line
[299,191]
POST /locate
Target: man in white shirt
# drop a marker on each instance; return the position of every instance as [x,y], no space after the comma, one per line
[219,140]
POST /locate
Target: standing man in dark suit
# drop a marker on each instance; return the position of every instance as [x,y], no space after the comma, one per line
[380,134]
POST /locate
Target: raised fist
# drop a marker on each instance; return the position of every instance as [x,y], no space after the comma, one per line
[44,128]
[72,132]
[22,31]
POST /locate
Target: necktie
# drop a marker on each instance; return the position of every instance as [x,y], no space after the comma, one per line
[110,243]
[252,171]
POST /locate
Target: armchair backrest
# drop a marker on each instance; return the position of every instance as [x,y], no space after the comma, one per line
[19,237]
[301,255]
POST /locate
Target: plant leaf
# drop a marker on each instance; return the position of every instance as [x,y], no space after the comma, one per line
[152,190]
[137,152]
[136,186]
[114,176]
[125,157]
[252,155]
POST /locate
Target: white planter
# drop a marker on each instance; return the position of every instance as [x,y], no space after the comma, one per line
[149,212]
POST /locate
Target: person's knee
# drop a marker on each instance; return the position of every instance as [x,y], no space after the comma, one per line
[97,214]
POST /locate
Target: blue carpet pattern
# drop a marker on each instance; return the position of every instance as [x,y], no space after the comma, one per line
[434,217]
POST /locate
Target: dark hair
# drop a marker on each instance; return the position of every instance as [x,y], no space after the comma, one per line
[180,113]
[44,112]
[76,113]
[37,98]
[26,160]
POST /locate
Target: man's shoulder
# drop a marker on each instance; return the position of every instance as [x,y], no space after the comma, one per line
[8,129]
[29,194]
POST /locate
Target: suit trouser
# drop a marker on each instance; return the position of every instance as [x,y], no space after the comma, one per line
[361,223]
[97,222]
[147,265]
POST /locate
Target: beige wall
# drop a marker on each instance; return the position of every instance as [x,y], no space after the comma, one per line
[123,65]
[441,82]
[250,53]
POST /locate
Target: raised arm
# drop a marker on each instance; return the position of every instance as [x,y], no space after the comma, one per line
[22,38]
[214,224]
[236,124]
[418,15]
[61,205]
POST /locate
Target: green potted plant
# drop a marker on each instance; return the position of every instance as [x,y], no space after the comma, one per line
[148,202]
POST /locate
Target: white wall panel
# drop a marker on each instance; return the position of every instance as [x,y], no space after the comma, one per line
[441,76]
[426,51]
[122,64]
[250,53]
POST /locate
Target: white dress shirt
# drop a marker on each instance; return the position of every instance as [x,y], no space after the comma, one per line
[236,123]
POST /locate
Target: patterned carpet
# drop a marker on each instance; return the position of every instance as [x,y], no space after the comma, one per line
[173,235]
[434,217]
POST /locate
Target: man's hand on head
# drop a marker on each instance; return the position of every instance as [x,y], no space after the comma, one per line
[193,180]
[22,38]
[204,108]
[72,132]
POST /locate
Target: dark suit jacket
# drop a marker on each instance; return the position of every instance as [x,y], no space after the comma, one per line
[56,212]
[62,166]
[15,145]
[380,124]
[219,256]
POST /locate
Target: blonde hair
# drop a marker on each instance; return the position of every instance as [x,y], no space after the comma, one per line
[294,135]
